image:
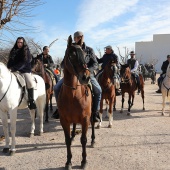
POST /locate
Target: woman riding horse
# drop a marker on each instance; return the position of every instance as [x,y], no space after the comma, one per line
[20,60]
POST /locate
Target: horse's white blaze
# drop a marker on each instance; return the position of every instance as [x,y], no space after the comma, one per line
[165,88]
[9,103]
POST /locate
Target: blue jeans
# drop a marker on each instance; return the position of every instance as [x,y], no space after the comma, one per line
[96,90]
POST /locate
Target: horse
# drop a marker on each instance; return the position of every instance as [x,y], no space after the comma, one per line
[75,99]
[128,84]
[38,68]
[148,73]
[106,81]
[11,100]
[165,87]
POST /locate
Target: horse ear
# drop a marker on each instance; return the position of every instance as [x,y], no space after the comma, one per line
[69,41]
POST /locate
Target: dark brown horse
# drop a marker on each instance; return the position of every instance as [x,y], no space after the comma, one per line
[128,84]
[106,81]
[75,99]
[39,69]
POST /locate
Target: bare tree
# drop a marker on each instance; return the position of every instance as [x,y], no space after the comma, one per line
[14,16]
[99,51]
[123,58]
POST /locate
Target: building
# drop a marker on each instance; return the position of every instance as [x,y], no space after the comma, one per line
[155,51]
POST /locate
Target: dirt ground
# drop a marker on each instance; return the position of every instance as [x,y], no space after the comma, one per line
[137,142]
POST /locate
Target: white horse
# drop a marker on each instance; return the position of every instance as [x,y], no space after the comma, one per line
[165,89]
[10,97]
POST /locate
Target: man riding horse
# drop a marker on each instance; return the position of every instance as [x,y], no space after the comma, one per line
[47,61]
[162,75]
[110,55]
[92,65]
[133,64]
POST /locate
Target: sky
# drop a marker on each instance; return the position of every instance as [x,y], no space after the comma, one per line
[104,22]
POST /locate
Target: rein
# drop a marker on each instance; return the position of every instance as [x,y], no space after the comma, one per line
[7,89]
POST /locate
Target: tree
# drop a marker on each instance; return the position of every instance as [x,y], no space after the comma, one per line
[14,16]
[123,58]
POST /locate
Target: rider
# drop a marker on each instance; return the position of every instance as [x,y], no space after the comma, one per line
[110,55]
[47,61]
[133,64]
[92,65]
[162,75]
[20,60]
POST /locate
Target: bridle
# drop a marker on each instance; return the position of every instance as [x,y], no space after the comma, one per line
[81,63]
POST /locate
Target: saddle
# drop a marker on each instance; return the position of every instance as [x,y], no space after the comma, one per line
[22,83]
[51,76]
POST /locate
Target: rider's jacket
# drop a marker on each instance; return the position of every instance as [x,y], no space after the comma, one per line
[131,63]
[46,60]
[106,58]
[20,60]
[164,66]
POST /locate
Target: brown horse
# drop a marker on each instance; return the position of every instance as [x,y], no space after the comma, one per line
[106,81]
[128,84]
[75,99]
[38,68]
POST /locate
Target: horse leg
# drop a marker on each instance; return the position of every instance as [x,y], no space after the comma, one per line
[51,105]
[66,128]
[46,106]
[133,96]
[142,94]
[40,110]
[4,118]
[123,99]
[100,114]
[129,104]
[73,134]
[83,142]
[114,105]
[110,114]
[163,104]
[13,117]
[93,134]
[32,114]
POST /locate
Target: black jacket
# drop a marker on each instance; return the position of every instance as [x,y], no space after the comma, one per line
[48,60]
[18,62]
[106,58]
[164,66]
[91,59]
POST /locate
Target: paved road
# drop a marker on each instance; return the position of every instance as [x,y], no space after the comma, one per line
[137,142]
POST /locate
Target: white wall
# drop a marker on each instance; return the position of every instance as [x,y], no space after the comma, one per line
[156,50]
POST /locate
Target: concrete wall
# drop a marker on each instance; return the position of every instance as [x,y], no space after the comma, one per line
[154,51]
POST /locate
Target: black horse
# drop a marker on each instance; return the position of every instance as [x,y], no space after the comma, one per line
[148,72]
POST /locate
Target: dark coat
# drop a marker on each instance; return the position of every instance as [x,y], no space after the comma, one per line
[20,60]
[164,66]
[46,60]
[106,58]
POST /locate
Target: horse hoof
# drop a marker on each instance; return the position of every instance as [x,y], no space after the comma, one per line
[162,114]
[5,150]
[93,144]
[121,111]
[98,126]
[11,153]
[84,165]
[41,133]
[143,108]
[109,126]
[31,135]
[68,167]
[128,114]
[46,121]
[114,109]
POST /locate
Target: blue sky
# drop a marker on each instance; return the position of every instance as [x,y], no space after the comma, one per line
[104,22]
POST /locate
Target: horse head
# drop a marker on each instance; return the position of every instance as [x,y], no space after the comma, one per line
[3,70]
[125,73]
[74,61]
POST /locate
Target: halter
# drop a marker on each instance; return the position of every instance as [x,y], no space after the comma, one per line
[7,89]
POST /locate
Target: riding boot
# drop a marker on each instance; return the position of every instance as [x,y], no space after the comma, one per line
[55,115]
[31,102]
[95,117]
